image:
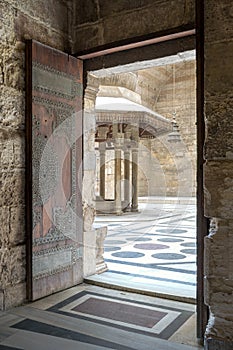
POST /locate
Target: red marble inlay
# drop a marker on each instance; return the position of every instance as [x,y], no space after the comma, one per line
[118,311]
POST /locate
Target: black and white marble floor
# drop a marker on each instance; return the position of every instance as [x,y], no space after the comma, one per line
[94,318]
[153,250]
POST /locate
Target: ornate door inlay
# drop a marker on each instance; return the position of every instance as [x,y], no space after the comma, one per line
[54,170]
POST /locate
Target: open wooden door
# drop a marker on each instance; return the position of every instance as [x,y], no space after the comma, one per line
[53,170]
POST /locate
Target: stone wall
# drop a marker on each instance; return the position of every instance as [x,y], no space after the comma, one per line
[219,171]
[19,20]
[168,89]
[99,22]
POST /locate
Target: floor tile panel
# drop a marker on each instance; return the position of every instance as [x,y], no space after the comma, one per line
[73,321]
[155,246]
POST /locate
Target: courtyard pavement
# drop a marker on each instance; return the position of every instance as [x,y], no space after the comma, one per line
[154,250]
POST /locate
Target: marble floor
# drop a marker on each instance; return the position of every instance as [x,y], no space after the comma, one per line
[151,252]
[93,318]
[154,250]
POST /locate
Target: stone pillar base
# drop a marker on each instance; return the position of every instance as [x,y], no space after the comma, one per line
[215,344]
[119,212]
[89,253]
[101,267]
[135,210]
[101,233]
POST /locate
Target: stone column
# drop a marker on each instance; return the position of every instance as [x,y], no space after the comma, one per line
[135,141]
[102,150]
[118,178]
[89,174]
[127,178]
[134,205]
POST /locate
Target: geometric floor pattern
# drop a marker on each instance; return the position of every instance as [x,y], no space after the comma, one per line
[93,318]
[156,246]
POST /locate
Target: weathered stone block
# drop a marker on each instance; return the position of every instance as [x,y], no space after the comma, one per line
[218,20]
[7,14]
[12,265]
[13,58]
[28,28]
[218,71]
[17,225]
[218,184]
[215,249]
[107,10]
[219,125]
[86,14]
[12,153]
[15,295]
[12,185]
[2,306]
[87,37]
[5,226]
[219,295]
[14,76]
[217,344]
[136,23]
[220,326]
[58,11]
[12,108]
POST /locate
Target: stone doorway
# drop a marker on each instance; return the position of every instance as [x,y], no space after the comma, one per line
[154,108]
[139,52]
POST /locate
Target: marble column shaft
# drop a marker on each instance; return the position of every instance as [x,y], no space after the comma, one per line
[134,206]
[102,151]
[118,180]
[127,183]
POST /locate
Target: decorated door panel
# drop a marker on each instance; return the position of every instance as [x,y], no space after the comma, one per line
[53,170]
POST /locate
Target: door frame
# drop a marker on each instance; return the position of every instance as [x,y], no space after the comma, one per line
[158,45]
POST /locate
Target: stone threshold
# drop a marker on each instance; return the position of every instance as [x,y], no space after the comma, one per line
[97,280]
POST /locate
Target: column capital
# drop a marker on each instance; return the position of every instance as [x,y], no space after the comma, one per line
[102,132]
[102,147]
[119,140]
[134,146]
[126,149]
